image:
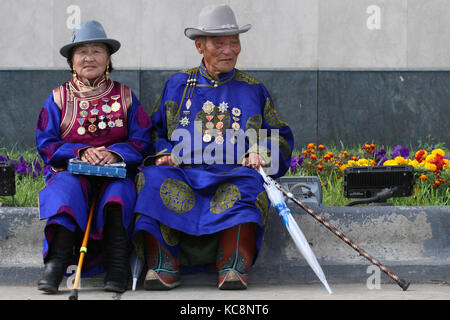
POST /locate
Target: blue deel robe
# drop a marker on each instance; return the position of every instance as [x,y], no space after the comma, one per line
[66,198]
[210,191]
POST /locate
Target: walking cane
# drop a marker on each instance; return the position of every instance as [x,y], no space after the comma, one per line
[402,283]
[83,249]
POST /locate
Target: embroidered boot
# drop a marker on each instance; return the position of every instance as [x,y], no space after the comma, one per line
[117,252]
[235,255]
[163,268]
[58,259]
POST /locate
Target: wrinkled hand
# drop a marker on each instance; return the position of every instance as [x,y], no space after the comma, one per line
[253,160]
[165,160]
[99,156]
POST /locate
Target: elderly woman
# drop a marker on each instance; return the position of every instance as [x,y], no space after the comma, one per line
[201,201]
[99,121]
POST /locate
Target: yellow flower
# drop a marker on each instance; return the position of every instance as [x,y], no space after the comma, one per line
[362,162]
[429,158]
[390,163]
[400,160]
[413,163]
[351,163]
[438,151]
[430,166]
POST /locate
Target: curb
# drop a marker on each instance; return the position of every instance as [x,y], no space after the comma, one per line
[413,242]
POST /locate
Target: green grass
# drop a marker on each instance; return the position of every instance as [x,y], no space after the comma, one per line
[27,187]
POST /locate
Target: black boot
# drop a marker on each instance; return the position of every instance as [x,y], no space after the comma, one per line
[117,252]
[58,259]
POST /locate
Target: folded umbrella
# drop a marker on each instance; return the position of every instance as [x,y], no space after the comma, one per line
[276,198]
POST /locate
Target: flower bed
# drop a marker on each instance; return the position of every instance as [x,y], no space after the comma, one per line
[431,170]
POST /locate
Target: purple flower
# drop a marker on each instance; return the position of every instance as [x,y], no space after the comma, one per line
[399,150]
[296,162]
[380,155]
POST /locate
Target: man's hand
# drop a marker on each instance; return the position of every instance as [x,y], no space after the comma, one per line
[165,160]
[99,156]
[253,160]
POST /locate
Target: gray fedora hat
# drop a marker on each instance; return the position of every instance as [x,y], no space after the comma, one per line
[216,20]
[89,31]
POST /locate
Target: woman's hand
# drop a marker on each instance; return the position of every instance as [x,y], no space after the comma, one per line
[253,160]
[99,156]
[165,160]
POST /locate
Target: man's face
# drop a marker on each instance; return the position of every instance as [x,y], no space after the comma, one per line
[219,53]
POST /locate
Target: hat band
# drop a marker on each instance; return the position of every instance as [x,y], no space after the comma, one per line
[222,27]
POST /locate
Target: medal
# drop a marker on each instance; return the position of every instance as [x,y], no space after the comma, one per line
[119,123]
[236,112]
[94,111]
[220,117]
[219,140]
[223,107]
[219,125]
[92,127]
[208,107]
[106,108]
[81,130]
[84,105]
[116,105]
[188,104]
[209,125]
[111,123]
[102,124]
[184,121]
[207,137]
[236,126]
[83,113]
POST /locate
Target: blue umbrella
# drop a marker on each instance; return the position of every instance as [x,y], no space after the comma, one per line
[276,198]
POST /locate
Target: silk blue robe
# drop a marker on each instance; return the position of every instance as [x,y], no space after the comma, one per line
[66,198]
[210,191]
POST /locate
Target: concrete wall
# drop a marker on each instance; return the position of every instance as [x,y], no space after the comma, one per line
[352,107]
[285,34]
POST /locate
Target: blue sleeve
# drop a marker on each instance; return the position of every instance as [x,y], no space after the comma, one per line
[162,145]
[279,140]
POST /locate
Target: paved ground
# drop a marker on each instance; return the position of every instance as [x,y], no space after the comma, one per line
[256,292]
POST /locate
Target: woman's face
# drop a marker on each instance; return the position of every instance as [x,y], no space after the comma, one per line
[90,60]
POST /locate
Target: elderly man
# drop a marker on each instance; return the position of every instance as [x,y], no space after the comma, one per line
[201,200]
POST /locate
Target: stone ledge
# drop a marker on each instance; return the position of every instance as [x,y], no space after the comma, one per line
[413,242]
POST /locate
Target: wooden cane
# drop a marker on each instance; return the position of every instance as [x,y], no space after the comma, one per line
[402,283]
[83,248]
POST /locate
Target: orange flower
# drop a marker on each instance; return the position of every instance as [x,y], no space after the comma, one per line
[313,157]
[320,167]
[311,146]
[309,163]
[423,177]
[321,147]
[437,183]
[305,153]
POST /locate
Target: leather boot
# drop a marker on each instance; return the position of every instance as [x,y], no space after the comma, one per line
[59,257]
[237,247]
[117,251]
[163,269]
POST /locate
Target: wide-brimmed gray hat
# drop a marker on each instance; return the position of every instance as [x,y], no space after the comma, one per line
[89,31]
[216,20]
